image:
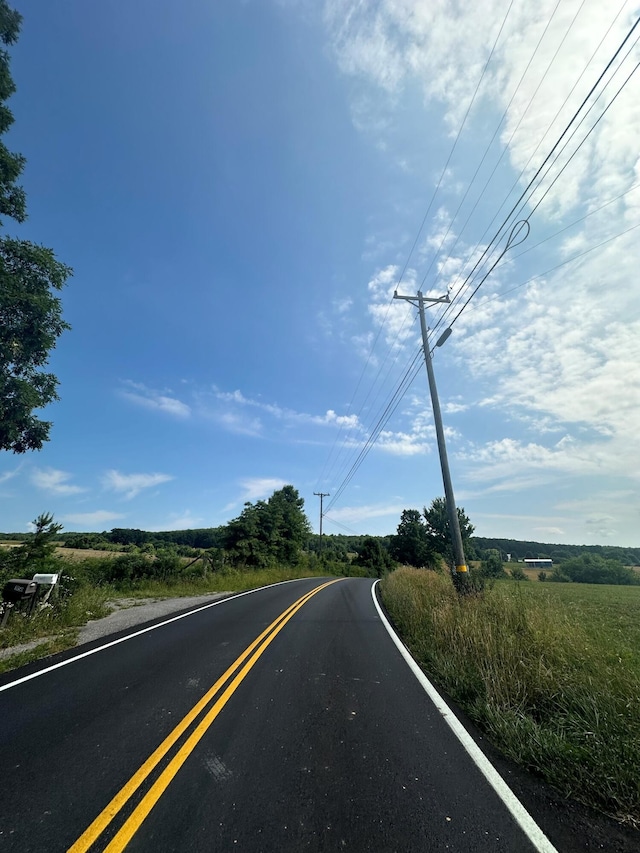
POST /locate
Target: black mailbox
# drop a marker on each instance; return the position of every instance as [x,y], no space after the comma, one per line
[19,589]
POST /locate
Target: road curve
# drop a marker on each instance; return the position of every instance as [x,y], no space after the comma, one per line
[281,720]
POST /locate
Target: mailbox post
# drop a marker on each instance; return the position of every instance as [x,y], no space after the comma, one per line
[23,594]
[18,592]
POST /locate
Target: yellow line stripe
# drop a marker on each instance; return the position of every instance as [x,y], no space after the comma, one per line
[97,827]
[139,814]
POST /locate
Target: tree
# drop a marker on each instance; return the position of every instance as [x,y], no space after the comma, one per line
[373,557]
[411,542]
[30,314]
[491,566]
[128,536]
[270,531]
[38,552]
[290,527]
[438,533]
[244,537]
[591,568]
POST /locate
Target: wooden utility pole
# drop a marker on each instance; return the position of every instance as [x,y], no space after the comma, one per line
[452,512]
[321,495]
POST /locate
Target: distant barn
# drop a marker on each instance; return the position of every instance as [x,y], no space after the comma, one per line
[538,564]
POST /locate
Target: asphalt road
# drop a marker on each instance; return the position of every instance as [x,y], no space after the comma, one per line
[305,730]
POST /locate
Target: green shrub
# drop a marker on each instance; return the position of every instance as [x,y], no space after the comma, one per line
[518,574]
[591,568]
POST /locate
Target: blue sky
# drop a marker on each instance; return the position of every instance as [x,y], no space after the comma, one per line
[238,187]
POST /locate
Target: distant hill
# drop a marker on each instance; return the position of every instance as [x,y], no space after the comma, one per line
[520,550]
[211,537]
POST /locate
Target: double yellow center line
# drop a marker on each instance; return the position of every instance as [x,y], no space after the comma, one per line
[234,675]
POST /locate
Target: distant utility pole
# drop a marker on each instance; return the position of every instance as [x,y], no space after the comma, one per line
[321,495]
[452,512]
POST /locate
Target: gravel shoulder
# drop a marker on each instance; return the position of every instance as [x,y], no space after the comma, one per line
[127,613]
[130,612]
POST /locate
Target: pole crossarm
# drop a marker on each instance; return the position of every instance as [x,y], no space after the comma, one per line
[415,300]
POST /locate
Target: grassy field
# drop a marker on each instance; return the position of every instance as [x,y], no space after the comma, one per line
[75,554]
[551,672]
[71,554]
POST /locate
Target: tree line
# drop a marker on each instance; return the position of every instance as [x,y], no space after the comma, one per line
[519,550]
[277,533]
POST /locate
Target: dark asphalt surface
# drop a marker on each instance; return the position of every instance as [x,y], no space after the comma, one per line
[328,744]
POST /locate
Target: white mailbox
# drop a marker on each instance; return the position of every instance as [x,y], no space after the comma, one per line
[46,579]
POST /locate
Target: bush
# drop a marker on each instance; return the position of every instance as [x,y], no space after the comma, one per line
[374,559]
[518,574]
[491,566]
[591,568]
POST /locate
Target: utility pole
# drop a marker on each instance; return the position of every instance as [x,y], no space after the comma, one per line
[321,495]
[452,512]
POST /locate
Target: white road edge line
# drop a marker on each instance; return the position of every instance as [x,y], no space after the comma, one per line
[521,816]
[138,633]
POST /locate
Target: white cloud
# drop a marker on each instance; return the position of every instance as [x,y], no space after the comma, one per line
[453,408]
[9,475]
[158,401]
[289,417]
[131,485]
[256,488]
[563,355]
[181,521]
[396,317]
[356,514]
[342,306]
[237,423]
[402,443]
[54,481]
[549,531]
[91,519]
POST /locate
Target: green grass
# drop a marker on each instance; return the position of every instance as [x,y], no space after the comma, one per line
[86,603]
[229,580]
[49,646]
[551,672]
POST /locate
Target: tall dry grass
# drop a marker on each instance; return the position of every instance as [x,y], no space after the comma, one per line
[536,676]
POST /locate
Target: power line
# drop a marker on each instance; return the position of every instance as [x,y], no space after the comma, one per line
[577,221]
[414,368]
[520,120]
[455,143]
[352,430]
[556,234]
[522,198]
[581,75]
[495,133]
[390,408]
[590,131]
[557,266]
[415,242]
[553,182]
[417,237]
[522,172]
[343,526]
[531,187]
